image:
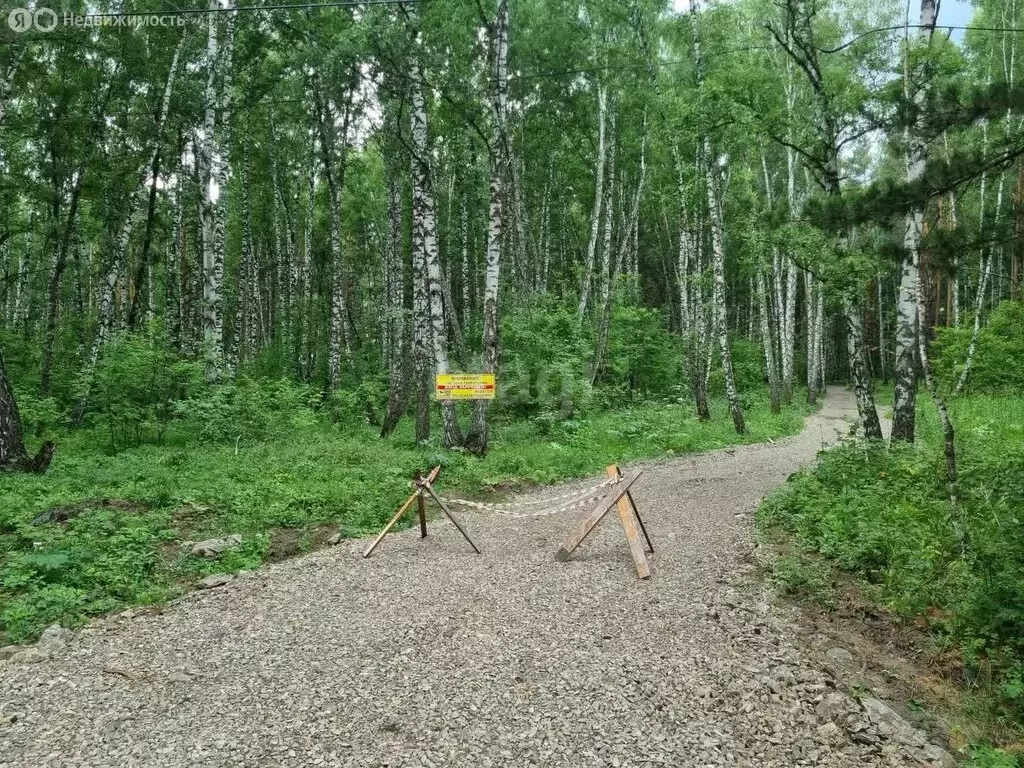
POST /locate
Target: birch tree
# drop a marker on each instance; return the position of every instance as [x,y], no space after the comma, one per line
[424,220]
[904,374]
[478,435]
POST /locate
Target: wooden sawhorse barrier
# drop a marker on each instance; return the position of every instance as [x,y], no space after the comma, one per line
[424,487]
[622,500]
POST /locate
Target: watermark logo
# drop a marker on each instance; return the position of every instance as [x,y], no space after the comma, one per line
[41,19]
[46,20]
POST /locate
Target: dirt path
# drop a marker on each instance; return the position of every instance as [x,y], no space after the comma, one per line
[429,655]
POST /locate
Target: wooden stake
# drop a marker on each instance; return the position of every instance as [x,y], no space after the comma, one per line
[594,517]
[625,509]
[423,486]
[421,505]
[636,511]
[444,508]
[398,515]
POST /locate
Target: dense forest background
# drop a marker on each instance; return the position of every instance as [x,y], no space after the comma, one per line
[237,248]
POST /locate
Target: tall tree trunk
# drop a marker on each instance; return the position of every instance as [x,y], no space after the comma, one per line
[12,444]
[340,343]
[621,255]
[213,269]
[858,368]
[60,259]
[965,374]
[595,216]
[606,271]
[421,337]
[478,436]
[721,317]
[768,344]
[424,218]
[398,387]
[904,375]
[948,435]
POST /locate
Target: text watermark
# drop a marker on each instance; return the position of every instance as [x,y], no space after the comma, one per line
[47,19]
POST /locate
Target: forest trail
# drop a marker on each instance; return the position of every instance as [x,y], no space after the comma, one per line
[429,655]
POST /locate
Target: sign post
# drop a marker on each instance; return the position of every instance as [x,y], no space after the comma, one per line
[464,386]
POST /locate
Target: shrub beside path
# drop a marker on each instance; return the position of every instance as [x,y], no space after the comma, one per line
[429,655]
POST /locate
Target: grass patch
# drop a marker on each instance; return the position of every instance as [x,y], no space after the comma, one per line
[120,516]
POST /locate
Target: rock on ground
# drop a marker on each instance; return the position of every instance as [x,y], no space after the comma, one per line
[216,547]
[429,655]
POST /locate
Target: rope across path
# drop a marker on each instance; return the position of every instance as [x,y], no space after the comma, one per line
[611,493]
[524,508]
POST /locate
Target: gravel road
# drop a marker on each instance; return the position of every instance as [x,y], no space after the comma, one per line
[429,655]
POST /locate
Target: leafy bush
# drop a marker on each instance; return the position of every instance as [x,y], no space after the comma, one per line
[135,388]
[642,356]
[883,514]
[747,367]
[998,366]
[250,409]
[545,361]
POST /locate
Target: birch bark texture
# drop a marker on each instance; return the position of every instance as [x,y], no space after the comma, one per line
[477,438]
[904,372]
[425,220]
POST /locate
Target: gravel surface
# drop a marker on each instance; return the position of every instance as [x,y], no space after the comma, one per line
[428,655]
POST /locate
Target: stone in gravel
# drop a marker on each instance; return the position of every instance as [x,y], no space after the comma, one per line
[214,581]
[834,707]
[9,650]
[54,638]
[334,540]
[215,547]
[879,712]
[29,656]
[829,734]
[938,756]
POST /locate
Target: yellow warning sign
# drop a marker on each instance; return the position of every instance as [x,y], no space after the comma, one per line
[464,386]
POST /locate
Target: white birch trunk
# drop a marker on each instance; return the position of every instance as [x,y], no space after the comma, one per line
[208,205]
[721,318]
[986,269]
[904,374]
[478,437]
[595,217]
[424,218]
[858,367]
[767,343]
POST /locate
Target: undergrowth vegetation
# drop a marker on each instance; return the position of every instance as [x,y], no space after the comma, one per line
[883,514]
[167,459]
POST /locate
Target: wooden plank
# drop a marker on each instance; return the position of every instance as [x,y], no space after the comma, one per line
[643,528]
[625,509]
[444,508]
[391,523]
[594,517]
[636,512]
[421,508]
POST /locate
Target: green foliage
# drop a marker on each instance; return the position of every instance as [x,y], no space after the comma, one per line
[998,366]
[544,370]
[987,757]
[804,577]
[292,471]
[748,370]
[642,357]
[135,388]
[252,409]
[883,514]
